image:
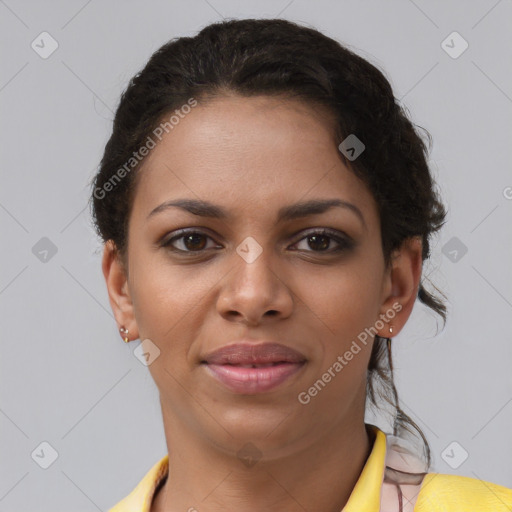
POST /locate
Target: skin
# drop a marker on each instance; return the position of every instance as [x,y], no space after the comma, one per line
[252,156]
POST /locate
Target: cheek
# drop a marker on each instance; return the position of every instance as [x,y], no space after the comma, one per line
[165,298]
[169,310]
[346,301]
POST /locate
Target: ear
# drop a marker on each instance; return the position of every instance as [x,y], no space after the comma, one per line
[400,287]
[118,292]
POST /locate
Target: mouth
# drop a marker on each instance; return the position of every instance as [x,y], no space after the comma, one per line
[253,369]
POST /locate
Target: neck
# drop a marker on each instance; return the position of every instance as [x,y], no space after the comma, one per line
[319,477]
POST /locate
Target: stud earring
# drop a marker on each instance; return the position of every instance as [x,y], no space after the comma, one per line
[390,329]
[125,332]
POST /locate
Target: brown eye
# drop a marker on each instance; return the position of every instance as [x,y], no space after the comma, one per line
[318,242]
[326,241]
[194,241]
[187,242]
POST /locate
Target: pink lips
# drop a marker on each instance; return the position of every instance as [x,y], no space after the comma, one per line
[250,369]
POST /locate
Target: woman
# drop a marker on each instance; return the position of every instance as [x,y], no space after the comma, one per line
[266,209]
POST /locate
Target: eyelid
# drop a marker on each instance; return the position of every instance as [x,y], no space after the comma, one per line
[324,231]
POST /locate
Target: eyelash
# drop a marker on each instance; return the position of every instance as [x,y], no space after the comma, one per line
[344,242]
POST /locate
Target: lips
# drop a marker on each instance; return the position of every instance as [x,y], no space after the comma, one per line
[249,369]
[261,354]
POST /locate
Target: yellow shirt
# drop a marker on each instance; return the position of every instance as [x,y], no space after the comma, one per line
[438,492]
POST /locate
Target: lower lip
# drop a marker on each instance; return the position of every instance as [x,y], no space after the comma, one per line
[253,380]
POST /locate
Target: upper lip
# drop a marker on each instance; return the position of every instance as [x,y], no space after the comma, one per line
[250,353]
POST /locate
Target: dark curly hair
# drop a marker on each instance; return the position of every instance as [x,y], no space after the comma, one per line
[277,57]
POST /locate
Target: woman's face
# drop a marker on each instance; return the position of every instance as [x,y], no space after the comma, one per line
[244,275]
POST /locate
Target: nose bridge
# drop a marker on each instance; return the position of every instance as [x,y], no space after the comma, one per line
[253,276]
[254,288]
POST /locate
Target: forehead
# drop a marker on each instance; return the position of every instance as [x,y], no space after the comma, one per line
[259,150]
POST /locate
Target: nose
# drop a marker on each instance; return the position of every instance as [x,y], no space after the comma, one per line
[253,292]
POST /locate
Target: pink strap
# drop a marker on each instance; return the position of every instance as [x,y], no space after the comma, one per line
[403,477]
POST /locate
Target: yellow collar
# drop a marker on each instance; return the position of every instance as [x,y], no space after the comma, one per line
[365,495]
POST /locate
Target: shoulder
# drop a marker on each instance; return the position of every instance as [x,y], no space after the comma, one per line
[451,493]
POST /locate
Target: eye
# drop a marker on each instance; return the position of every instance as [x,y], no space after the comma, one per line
[188,240]
[322,240]
[318,241]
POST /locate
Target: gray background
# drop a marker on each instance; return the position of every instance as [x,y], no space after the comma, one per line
[68,379]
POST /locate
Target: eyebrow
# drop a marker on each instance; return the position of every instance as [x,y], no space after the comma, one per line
[203,208]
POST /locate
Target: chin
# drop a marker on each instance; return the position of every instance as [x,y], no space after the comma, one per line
[269,427]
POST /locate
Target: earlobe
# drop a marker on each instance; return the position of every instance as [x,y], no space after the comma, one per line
[118,289]
[402,285]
